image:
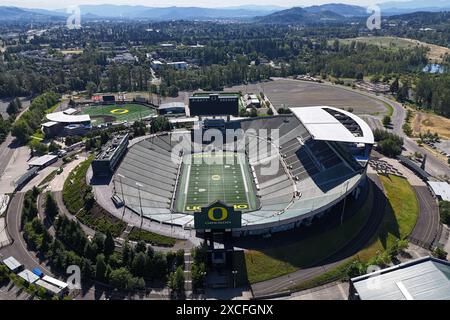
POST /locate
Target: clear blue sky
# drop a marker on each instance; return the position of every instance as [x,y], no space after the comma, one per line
[57,4]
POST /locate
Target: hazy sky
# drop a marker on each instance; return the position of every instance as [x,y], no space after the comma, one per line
[57,4]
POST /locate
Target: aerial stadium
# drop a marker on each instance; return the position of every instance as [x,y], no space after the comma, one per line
[280,171]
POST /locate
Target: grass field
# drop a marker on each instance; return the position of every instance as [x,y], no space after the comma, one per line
[280,260]
[435,54]
[399,220]
[208,177]
[118,113]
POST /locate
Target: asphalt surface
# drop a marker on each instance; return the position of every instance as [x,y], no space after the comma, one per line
[426,230]
[19,249]
[283,283]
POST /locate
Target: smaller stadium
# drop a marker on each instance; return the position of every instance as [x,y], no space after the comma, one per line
[117,112]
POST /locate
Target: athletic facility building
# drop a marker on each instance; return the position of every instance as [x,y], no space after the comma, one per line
[421,279]
[67,123]
[280,171]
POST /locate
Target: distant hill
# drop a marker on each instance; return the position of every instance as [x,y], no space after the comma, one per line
[344,10]
[403,7]
[299,15]
[175,13]
[14,14]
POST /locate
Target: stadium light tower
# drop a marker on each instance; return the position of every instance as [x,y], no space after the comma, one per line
[140,201]
[121,190]
[234,272]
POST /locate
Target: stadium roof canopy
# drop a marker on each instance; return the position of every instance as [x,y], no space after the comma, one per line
[426,278]
[61,117]
[333,124]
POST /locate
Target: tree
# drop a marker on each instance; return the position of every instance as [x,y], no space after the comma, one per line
[176,280]
[403,93]
[12,108]
[53,147]
[100,268]
[91,88]
[109,244]
[386,121]
[127,254]
[394,86]
[120,278]
[51,207]
[138,265]
[140,246]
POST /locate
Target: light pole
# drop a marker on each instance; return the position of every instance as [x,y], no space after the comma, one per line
[121,190]
[234,272]
[343,206]
[140,201]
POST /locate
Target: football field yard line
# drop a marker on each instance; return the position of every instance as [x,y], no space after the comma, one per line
[186,186]
[245,182]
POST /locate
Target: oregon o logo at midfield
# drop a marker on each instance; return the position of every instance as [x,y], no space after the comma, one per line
[223,213]
[119,111]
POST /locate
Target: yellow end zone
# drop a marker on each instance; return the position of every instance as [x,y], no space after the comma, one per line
[235,206]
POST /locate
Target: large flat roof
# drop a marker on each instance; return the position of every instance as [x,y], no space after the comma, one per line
[42,161]
[67,118]
[322,125]
[421,279]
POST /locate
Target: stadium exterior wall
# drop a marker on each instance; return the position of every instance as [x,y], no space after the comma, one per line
[288,224]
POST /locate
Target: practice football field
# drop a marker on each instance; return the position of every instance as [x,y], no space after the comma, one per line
[210,177]
[118,112]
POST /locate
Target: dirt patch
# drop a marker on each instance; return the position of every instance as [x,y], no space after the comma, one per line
[427,121]
[435,54]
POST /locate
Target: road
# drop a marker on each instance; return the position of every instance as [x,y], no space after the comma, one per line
[283,283]
[426,230]
[434,166]
[19,248]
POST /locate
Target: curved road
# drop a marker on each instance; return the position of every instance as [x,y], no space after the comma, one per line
[433,165]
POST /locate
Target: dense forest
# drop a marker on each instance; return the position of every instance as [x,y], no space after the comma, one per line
[228,54]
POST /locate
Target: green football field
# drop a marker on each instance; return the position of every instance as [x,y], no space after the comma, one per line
[210,177]
[118,112]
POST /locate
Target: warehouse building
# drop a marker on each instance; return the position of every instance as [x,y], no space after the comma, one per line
[426,278]
[107,160]
[43,161]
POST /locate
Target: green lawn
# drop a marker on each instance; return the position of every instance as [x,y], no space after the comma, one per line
[209,177]
[398,222]
[118,112]
[151,238]
[399,219]
[277,261]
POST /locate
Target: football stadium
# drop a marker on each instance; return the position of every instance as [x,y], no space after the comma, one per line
[129,112]
[279,171]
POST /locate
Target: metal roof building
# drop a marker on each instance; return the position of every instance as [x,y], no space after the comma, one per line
[28,276]
[426,278]
[440,189]
[12,264]
[43,161]
[62,117]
